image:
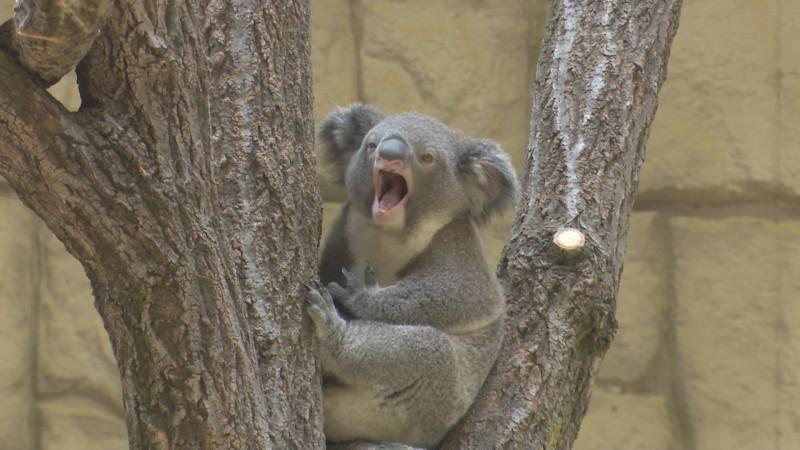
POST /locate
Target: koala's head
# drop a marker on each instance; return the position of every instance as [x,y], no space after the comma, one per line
[405,169]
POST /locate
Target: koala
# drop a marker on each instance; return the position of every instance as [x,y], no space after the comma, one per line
[408,314]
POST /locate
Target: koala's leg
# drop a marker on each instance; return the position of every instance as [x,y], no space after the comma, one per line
[394,356]
[396,383]
[359,352]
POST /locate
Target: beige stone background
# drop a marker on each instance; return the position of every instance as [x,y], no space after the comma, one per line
[708,350]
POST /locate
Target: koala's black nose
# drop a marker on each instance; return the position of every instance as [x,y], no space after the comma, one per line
[393,149]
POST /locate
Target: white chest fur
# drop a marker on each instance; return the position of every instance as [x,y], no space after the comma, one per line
[386,250]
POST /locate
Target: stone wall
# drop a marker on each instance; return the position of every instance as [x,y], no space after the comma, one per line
[708,353]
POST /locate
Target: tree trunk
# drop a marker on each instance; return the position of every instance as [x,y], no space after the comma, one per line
[186,187]
[595,95]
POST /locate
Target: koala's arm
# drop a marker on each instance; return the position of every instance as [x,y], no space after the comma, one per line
[449,286]
[444,299]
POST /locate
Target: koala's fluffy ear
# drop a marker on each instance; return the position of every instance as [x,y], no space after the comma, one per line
[341,133]
[490,182]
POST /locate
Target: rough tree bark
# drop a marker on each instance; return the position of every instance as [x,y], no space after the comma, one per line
[595,95]
[186,187]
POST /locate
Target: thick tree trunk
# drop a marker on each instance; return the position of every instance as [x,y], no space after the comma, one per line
[186,186]
[595,95]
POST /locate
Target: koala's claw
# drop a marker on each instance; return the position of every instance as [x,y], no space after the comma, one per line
[347,297]
[321,309]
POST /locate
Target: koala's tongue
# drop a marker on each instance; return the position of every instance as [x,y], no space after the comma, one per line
[393,189]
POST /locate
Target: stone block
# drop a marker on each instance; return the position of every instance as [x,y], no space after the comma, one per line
[333,57]
[77,424]
[333,54]
[74,352]
[625,422]
[642,302]
[6,10]
[717,127]
[66,91]
[788,161]
[468,65]
[732,327]
[18,301]
[787,249]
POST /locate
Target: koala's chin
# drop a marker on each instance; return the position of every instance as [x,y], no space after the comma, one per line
[410,318]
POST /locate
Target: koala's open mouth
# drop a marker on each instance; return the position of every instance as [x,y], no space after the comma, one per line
[391,191]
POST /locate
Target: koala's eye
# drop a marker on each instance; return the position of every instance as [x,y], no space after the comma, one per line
[426,158]
[372,146]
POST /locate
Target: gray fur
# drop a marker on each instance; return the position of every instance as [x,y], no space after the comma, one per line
[336,253]
[488,178]
[404,359]
[340,134]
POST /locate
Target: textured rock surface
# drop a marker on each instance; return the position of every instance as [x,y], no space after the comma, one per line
[74,358]
[80,425]
[788,79]
[708,351]
[18,267]
[333,50]
[788,376]
[66,91]
[469,64]
[717,129]
[731,321]
[643,301]
[624,421]
[335,68]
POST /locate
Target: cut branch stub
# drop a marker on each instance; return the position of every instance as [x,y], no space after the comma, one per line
[568,244]
[50,38]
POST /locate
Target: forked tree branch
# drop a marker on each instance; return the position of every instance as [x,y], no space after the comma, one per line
[50,37]
[595,95]
[186,187]
[35,134]
[48,155]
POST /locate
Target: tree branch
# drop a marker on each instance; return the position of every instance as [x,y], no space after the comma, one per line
[595,95]
[75,170]
[37,140]
[47,154]
[50,37]
[201,211]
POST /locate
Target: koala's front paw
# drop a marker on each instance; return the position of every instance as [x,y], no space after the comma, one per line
[327,322]
[354,291]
